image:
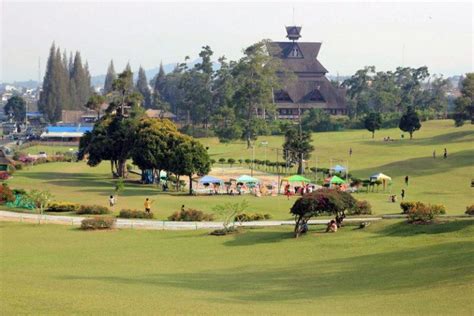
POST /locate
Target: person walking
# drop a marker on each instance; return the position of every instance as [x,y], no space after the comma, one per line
[403,194]
[434,154]
[406,180]
[350,152]
[445,155]
[111,201]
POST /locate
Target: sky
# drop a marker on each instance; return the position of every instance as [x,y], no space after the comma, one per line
[353,34]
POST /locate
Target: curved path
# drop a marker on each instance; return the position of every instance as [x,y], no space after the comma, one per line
[158,225]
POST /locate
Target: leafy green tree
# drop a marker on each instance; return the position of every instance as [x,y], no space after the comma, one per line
[297,147]
[95,103]
[229,211]
[316,120]
[320,202]
[189,157]
[158,83]
[373,122]
[410,122]
[255,78]
[40,200]
[16,106]
[225,125]
[109,78]
[464,104]
[142,88]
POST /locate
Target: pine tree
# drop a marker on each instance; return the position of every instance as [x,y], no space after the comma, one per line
[81,83]
[130,78]
[142,88]
[46,102]
[109,78]
[159,82]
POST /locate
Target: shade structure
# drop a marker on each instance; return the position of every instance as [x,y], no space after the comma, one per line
[380,176]
[297,178]
[338,168]
[247,179]
[210,179]
[336,180]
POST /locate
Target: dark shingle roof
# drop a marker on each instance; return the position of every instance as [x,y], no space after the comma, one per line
[301,91]
[308,63]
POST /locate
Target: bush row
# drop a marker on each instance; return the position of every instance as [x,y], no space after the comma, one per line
[190,215]
[97,223]
[127,213]
[420,212]
[249,217]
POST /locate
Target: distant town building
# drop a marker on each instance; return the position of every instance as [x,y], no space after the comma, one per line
[160,114]
[65,133]
[310,89]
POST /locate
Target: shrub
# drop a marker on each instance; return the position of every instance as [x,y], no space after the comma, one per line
[420,212]
[190,215]
[224,231]
[126,213]
[361,208]
[4,175]
[406,206]
[98,223]
[19,166]
[470,209]
[62,207]
[6,194]
[92,209]
[19,192]
[246,217]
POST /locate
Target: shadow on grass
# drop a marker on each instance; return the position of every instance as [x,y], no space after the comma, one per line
[424,165]
[442,139]
[380,273]
[254,237]
[404,229]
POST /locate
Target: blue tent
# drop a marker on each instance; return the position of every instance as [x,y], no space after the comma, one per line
[338,168]
[210,179]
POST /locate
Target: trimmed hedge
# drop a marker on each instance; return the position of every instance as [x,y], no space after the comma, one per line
[249,217]
[420,212]
[92,210]
[190,215]
[62,207]
[127,213]
[98,223]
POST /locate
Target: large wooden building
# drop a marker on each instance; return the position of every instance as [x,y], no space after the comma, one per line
[310,87]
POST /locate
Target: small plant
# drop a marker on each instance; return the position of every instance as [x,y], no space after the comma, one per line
[190,215]
[231,161]
[424,213]
[92,210]
[361,208]
[40,200]
[406,206]
[62,207]
[229,211]
[249,217]
[126,213]
[6,194]
[98,223]
[470,209]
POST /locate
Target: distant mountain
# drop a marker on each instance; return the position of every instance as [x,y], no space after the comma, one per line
[30,84]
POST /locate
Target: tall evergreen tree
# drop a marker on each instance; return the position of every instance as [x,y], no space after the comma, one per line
[142,88]
[81,82]
[159,81]
[128,69]
[109,78]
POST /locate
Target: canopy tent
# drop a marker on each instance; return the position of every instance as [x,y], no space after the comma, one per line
[380,176]
[210,179]
[335,180]
[338,168]
[247,179]
[297,178]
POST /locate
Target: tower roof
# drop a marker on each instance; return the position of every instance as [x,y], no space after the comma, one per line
[293,32]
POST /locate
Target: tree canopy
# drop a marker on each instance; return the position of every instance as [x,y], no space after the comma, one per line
[410,122]
[16,106]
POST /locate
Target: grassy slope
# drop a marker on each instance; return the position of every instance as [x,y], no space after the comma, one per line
[388,268]
[432,180]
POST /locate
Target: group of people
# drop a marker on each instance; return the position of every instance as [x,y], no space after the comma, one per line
[147,204]
[301,190]
[445,154]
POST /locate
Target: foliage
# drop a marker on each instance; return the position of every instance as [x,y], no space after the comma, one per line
[62,207]
[406,206]
[109,78]
[92,210]
[373,122]
[410,122]
[470,210]
[464,104]
[249,217]
[40,200]
[95,103]
[230,211]
[316,120]
[127,213]
[297,147]
[142,88]
[6,194]
[361,208]
[320,202]
[420,212]
[190,215]
[98,223]
[16,106]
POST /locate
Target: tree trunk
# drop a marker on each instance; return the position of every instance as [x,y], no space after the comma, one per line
[190,184]
[300,166]
[121,168]
[411,135]
[299,225]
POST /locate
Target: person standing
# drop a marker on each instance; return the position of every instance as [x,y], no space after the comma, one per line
[406,180]
[148,205]
[445,155]
[111,201]
[434,154]
[403,194]
[350,152]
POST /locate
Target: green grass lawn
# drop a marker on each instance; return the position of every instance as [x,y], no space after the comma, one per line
[444,181]
[388,268]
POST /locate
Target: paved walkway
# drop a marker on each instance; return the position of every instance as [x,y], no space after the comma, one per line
[158,225]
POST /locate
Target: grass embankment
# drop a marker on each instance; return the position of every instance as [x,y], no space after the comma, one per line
[441,181]
[388,268]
